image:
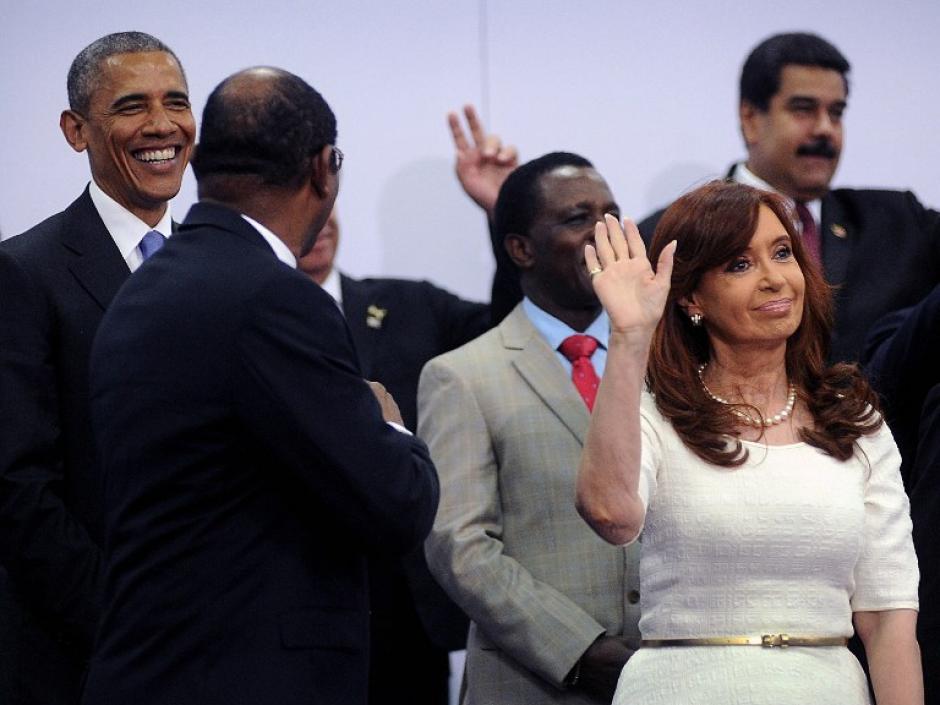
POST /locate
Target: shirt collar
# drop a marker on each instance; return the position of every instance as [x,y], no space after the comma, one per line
[745,176]
[331,285]
[555,331]
[281,251]
[125,228]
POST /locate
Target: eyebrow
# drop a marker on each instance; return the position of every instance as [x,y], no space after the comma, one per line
[800,100]
[137,97]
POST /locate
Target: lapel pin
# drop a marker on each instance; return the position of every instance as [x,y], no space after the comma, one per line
[375,316]
[838,230]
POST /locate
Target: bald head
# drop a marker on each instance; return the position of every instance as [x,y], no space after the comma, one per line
[265,124]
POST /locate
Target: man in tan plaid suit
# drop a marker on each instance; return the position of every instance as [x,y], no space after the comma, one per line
[554,609]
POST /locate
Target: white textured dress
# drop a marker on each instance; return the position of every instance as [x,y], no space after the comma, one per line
[793,542]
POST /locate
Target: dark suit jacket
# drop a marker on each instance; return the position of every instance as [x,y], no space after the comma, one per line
[901,358]
[55,282]
[397,326]
[881,250]
[247,472]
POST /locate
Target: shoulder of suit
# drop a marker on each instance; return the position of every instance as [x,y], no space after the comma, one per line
[488,348]
[871,195]
[38,243]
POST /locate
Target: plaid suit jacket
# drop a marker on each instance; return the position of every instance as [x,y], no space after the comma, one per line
[505,426]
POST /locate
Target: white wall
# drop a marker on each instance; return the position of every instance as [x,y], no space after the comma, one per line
[645,90]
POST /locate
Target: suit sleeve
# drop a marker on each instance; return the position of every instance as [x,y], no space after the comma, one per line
[47,553]
[301,389]
[533,622]
[460,321]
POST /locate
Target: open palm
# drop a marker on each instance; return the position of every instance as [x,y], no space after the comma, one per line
[632,294]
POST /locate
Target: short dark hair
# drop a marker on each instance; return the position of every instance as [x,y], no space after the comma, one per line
[269,130]
[760,76]
[85,71]
[519,197]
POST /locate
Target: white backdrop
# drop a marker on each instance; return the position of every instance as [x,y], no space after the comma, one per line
[645,90]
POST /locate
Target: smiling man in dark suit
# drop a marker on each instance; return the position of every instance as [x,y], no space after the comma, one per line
[248,468]
[880,249]
[129,111]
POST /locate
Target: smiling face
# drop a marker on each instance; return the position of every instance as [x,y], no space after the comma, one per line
[795,144]
[757,297]
[139,131]
[572,200]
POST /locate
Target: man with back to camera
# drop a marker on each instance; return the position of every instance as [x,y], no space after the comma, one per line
[398,325]
[248,467]
[880,249]
[129,111]
[553,608]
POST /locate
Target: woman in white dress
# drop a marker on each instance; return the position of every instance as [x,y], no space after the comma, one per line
[764,482]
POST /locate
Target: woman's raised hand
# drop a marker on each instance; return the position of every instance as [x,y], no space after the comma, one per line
[633,295]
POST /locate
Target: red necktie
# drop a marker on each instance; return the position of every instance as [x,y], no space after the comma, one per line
[578,349]
[810,233]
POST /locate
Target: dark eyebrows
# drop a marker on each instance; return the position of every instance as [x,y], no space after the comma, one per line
[142,97]
[802,101]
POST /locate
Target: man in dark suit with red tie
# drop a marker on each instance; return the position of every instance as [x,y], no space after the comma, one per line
[129,111]
[879,249]
[248,469]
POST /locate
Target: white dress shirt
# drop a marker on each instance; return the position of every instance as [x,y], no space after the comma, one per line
[743,175]
[125,228]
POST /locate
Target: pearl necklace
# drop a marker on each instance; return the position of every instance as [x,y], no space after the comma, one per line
[783,415]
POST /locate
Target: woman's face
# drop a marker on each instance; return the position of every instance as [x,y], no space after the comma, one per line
[756,297]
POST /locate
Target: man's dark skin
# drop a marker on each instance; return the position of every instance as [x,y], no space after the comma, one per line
[550,259]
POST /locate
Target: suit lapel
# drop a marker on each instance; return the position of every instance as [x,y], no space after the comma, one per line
[93,258]
[355,304]
[838,240]
[539,367]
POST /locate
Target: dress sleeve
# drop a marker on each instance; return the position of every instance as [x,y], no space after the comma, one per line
[886,575]
[652,424]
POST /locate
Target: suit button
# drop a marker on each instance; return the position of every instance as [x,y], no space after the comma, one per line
[633,597]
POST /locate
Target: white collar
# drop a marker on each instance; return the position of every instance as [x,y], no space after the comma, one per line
[125,228]
[743,175]
[332,286]
[281,251]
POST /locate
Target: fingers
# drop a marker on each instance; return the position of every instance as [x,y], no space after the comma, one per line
[507,156]
[456,131]
[615,234]
[633,239]
[590,259]
[666,260]
[605,252]
[473,122]
[490,146]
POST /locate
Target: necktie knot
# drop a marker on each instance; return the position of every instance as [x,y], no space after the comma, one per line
[150,243]
[578,346]
[578,350]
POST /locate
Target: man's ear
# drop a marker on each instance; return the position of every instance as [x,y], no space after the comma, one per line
[749,115]
[73,127]
[519,249]
[320,171]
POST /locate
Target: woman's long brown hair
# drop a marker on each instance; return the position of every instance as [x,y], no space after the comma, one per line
[711,225]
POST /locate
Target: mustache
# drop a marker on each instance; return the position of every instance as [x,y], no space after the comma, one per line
[821,147]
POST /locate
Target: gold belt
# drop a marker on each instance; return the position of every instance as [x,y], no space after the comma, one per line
[768,641]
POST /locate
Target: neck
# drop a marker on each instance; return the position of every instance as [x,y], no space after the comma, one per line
[578,319]
[755,376]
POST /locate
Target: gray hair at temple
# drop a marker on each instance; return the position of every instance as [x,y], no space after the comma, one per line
[85,70]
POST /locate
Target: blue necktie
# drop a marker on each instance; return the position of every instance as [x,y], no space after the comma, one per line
[150,243]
